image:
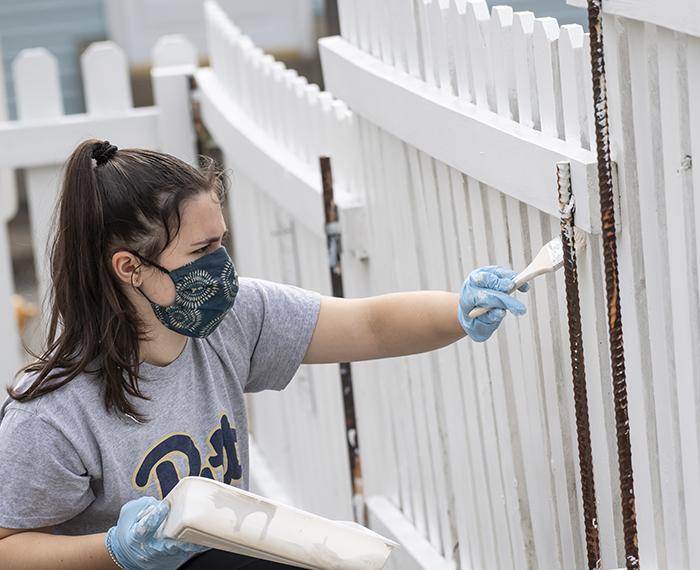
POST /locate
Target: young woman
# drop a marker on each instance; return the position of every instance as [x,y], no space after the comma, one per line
[153,340]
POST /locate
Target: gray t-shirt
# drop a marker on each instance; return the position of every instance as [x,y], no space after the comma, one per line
[66,462]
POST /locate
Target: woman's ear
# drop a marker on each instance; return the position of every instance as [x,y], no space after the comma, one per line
[127,268]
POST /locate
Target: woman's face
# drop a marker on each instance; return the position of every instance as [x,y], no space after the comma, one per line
[202,231]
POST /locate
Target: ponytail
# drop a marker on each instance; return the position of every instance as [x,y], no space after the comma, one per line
[110,200]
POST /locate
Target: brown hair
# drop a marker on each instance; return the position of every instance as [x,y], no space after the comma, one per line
[130,199]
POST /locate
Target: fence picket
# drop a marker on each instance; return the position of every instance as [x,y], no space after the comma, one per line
[545,37]
[693,66]
[644,420]
[456,21]
[38,94]
[572,93]
[525,79]
[105,78]
[477,16]
[502,59]
[511,456]
[440,55]
[680,287]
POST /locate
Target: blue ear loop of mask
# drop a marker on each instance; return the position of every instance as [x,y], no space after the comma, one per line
[205,290]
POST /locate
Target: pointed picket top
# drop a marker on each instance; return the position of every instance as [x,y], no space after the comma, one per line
[572,86]
[174,50]
[311,95]
[525,80]
[546,35]
[437,11]
[37,84]
[588,126]
[478,19]
[458,32]
[106,78]
[502,58]
[325,102]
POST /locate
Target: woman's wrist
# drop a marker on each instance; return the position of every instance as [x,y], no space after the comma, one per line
[108,547]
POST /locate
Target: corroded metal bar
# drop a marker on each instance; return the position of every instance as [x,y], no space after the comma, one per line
[334,243]
[567,208]
[612,284]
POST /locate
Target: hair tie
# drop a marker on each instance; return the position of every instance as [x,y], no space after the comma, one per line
[103,151]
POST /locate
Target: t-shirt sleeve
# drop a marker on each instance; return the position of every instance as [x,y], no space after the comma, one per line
[43,482]
[278,322]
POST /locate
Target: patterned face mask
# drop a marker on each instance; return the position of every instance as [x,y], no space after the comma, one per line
[205,290]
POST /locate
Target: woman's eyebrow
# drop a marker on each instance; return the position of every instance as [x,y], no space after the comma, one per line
[211,240]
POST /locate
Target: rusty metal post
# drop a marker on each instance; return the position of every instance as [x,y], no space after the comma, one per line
[334,244]
[567,209]
[612,284]
[332,22]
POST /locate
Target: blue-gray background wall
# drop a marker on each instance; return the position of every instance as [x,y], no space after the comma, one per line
[64,27]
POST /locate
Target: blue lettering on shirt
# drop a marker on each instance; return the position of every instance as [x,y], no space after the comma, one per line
[161,461]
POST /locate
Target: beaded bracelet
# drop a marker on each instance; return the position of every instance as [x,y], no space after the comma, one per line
[108,544]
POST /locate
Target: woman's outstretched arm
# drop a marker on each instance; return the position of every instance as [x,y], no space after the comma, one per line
[39,550]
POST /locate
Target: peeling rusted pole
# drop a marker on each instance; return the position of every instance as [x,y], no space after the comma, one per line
[567,209]
[334,243]
[612,284]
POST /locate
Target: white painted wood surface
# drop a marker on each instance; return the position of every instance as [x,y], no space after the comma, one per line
[544,88]
[444,146]
[679,15]
[272,127]
[474,447]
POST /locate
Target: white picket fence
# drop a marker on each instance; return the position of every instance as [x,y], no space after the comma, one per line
[43,137]
[459,118]
[444,138]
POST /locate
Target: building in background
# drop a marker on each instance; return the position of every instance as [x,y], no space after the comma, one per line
[64,27]
[283,27]
[287,29]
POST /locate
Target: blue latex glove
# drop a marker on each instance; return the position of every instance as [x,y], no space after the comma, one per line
[133,542]
[488,287]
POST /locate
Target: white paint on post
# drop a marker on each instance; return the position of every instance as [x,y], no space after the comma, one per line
[38,93]
[105,79]
[174,50]
[525,79]
[502,59]
[682,288]
[172,93]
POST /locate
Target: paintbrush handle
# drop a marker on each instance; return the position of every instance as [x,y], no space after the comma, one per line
[520,280]
[478,311]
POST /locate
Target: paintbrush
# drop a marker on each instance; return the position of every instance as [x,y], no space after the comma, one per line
[548,260]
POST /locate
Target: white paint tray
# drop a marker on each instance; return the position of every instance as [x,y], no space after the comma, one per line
[216,515]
